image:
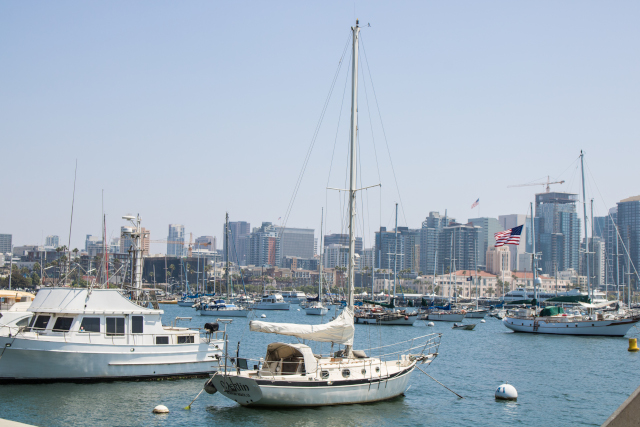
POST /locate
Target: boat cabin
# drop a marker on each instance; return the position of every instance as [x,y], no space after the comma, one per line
[289,359]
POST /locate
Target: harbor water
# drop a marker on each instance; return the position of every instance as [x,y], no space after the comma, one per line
[561,380]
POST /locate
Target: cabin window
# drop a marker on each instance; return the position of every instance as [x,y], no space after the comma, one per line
[41,322]
[346,373]
[63,324]
[90,324]
[115,325]
[325,375]
[136,324]
[162,340]
[185,339]
[22,322]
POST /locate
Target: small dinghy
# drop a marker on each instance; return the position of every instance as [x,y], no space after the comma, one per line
[468,327]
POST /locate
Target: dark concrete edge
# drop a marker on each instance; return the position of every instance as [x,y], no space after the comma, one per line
[621,408]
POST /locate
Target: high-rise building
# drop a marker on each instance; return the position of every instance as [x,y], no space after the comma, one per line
[629,229]
[336,255]
[145,241]
[239,232]
[596,260]
[175,240]
[368,258]
[5,243]
[342,239]
[93,245]
[264,246]
[407,255]
[205,243]
[499,260]
[297,242]
[511,221]
[557,231]
[609,236]
[488,228]
[52,241]
[458,247]
[429,235]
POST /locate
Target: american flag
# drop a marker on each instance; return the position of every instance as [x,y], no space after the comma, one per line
[509,237]
[476,203]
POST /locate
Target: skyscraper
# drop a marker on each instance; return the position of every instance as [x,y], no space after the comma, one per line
[629,228]
[429,235]
[5,243]
[296,242]
[342,239]
[175,240]
[407,256]
[52,241]
[511,221]
[458,247]
[557,231]
[609,236]
[264,246]
[488,228]
[239,242]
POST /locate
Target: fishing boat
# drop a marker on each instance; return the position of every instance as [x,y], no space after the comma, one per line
[105,334]
[291,375]
[553,320]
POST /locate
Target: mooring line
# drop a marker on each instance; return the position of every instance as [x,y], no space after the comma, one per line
[439,383]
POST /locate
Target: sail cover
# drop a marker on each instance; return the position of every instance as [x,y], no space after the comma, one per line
[339,331]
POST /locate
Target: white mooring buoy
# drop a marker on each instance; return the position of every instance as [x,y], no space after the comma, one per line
[298,309]
[483,321]
[431,324]
[506,392]
[160,409]
[263,316]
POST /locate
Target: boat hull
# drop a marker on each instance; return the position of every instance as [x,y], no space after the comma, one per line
[186,303]
[272,306]
[224,313]
[317,393]
[316,311]
[610,328]
[26,360]
[481,314]
[445,317]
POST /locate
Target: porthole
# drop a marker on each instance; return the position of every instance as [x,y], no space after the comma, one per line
[377,369]
[364,372]
[346,373]
[325,375]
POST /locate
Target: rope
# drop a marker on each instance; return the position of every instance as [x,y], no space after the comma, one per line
[418,368]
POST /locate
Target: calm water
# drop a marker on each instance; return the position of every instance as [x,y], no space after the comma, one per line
[565,381]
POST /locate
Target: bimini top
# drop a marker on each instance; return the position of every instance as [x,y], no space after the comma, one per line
[339,331]
[279,351]
[74,300]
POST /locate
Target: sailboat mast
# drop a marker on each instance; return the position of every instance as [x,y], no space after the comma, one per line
[533,256]
[352,177]
[395,258]
[226,254]
[321,253]
[586,238]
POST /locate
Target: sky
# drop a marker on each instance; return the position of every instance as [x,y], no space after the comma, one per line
[182,111]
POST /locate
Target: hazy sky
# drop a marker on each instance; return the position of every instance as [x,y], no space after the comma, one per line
[181,111]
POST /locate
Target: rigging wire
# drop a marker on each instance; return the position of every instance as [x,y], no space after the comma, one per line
[314,138]
[384,133]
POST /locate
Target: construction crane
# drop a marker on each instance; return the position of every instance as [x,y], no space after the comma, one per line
[546,184]
[190,247]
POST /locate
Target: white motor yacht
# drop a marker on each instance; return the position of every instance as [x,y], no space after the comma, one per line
[220,308]
[272,302]
[99,334]
[293,297]
[316,309]
[14,318]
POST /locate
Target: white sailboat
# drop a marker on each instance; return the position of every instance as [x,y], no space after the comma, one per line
[559,323]
[104,334]
[316,308]
[291,375]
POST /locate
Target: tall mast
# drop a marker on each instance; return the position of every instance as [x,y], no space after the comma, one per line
[592,251]
[533,256]
[226,254]
[395,258]
[321,253]
[586,240]
[352,179]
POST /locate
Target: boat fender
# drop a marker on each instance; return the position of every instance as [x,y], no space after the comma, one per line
[406,317]
[209,387]
[212,327]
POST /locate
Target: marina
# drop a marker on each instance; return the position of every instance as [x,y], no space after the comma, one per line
[497,355]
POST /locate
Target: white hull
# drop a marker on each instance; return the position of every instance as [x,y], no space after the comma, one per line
[480,314]
[272,306]
[186,303]
[224,313]
[395,322]
[39,360]
[611,328]
[445,317]
[319,393]
[316,311]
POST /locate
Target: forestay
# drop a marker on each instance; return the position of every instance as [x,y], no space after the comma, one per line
[339,331]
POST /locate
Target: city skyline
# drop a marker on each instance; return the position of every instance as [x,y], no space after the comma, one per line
[447,84]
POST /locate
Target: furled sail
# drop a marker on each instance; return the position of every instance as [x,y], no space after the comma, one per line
[339,331]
